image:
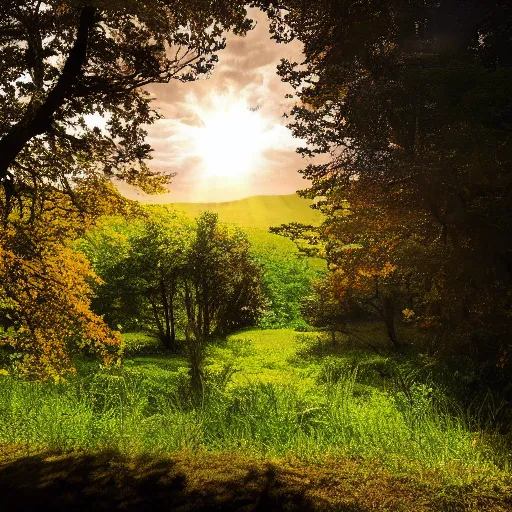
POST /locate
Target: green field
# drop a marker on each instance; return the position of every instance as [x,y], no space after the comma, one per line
[268,393]
[271,397]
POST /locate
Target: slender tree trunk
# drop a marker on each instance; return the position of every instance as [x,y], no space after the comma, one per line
[389,319]
[167,340]
[195,342]
[387,312]
[161,333]
[172,319]
[390,325]
[199,321]
[195,350]
[206,310]
[188,301]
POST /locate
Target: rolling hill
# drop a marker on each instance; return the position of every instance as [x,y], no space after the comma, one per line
[258,211]
[255,215]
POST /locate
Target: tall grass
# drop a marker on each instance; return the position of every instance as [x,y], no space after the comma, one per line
[125,412]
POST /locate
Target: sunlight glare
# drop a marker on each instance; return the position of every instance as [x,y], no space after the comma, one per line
[231,140]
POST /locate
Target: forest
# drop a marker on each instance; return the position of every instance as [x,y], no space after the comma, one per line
[344,348]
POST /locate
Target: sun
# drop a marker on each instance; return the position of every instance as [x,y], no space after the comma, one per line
[230,140]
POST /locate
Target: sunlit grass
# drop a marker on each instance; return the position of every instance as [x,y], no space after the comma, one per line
[127,413]
[259,211]
[280,402]
[263,356]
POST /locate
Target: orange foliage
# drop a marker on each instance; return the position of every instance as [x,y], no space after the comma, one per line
[46,286]
[50,295]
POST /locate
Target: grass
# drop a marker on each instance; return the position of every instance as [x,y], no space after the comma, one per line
[286,422]
[280,402]
[262,357]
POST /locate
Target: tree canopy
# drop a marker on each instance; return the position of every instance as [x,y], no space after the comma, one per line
[67,61]
[412,103]
[166,272]
[410,100]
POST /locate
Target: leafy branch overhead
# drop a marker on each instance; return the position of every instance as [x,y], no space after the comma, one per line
[306,237]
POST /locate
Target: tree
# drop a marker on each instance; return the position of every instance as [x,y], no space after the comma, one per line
[107,246]
[222,290]
[169,273]
[324,308]
[359,283]
[412,102]
[142,265]
[287,279]
[155,267]
[45,290]
[72,117]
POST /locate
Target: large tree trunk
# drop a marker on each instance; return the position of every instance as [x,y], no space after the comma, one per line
[39,121]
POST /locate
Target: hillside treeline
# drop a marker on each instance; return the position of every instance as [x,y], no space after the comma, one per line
[169,274]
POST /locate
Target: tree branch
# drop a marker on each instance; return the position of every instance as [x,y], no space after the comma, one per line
[40,121]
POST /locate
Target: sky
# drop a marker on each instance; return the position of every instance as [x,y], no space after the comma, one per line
[225,136]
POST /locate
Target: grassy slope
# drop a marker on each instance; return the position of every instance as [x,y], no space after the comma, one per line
[256,214]
[258,211]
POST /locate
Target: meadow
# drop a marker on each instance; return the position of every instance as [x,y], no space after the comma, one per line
[259,212]
[269,395]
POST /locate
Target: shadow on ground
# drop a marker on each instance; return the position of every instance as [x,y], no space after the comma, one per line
[108,481]
[227,482]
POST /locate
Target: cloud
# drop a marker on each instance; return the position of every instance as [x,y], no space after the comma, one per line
[246,71]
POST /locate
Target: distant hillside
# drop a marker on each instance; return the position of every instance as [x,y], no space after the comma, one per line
[258,211]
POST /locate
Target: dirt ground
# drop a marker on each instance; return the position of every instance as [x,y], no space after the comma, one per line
[207,482]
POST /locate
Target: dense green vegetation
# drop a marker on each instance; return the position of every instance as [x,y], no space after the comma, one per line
[337,394]
[374,334]
[124,255]
[409,104]
[266,392]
